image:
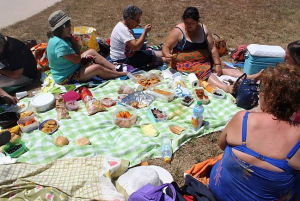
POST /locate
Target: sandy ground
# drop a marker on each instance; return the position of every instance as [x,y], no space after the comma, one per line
[12,11]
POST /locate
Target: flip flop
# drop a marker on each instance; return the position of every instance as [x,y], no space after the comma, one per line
[5,137]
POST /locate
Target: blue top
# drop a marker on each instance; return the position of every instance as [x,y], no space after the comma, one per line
[60,67]
[233,179]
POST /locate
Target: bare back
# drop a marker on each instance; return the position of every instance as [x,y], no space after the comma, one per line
[266,136]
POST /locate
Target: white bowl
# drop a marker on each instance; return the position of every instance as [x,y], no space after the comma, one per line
[43,102]
[219,91]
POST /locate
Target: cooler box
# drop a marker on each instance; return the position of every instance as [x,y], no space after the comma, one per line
[137,34]
[260,57]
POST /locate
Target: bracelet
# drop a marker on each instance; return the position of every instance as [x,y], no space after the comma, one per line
[217,64]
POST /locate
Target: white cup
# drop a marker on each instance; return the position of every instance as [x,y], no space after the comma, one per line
[22,94]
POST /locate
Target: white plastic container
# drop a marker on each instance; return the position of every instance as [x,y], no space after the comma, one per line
[43,102]
[215,93]
[266,50]
[161,97]
[124,122]
[136,75]
[204,100]
[30,127]
[157,119]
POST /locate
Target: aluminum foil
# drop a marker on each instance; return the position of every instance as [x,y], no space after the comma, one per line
[137,100]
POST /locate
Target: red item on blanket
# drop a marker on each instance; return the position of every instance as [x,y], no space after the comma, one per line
[84,92]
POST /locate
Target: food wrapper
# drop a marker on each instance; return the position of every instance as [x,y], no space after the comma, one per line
[93,106]
[137,100]
[62,112]
[180,88]
[125,90]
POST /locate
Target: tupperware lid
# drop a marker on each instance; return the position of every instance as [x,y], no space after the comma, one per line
[42,100]
[266,50]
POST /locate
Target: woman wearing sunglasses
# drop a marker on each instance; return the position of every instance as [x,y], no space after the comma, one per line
[66,63]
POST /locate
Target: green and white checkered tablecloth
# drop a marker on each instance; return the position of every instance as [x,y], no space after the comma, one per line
[126,143]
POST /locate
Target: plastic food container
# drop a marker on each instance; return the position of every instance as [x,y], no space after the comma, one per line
[187,101]
[162,95]
[27,113]
[124,122]
[43,102]
[162,115]
[72,105]
[218,93]
[49,126]
[150,81]
[30,127]
[108,102]
[15,149]
[136,75]
[201,95]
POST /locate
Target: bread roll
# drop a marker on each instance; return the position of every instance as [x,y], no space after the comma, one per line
[61,141]
[82,141]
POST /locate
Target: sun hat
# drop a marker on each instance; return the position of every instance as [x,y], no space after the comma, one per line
[57,19]
[137,177]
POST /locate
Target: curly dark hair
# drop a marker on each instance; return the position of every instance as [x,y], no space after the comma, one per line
[294,49]
[191,12]
[280,87]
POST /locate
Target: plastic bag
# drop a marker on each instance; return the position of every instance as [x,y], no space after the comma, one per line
[180,88]
[86,38]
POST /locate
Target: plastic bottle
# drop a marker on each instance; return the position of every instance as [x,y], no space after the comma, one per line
[197,117]
[166,148]
[207,86]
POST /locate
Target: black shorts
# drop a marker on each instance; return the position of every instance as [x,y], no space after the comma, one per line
[140,58]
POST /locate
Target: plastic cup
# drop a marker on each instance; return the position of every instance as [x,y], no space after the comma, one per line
[22,94]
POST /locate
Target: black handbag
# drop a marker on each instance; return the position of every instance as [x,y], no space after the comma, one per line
[191,187]
[246,93]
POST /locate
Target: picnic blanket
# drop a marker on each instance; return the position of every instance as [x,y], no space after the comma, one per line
[126,143]
[63,179]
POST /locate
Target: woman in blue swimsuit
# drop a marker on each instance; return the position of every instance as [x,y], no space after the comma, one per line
[262,149]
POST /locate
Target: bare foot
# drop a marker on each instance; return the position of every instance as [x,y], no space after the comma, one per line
[255,77]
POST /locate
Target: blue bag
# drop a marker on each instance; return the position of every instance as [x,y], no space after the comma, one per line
[246,93]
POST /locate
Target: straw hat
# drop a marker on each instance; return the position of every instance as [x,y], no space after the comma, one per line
[57,19]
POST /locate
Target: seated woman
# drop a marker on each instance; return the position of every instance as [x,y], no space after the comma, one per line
[66,63]
[125,48]
[17,63]
[261,149]
[189,48]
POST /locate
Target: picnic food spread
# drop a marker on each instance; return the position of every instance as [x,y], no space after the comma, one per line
[49,126]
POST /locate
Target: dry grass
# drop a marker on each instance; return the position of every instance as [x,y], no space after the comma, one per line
[238,21]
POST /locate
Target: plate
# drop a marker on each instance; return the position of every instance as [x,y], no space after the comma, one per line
[22,107]
[42,125]
[164,175]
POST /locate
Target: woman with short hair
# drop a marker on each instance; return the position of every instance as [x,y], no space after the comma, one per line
[125,47]
[66,63]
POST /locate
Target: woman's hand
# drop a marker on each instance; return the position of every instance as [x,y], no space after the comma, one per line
[219,70]
[87,59]
[147,28]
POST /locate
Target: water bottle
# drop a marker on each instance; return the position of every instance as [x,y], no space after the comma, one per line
[166,148]
[197,117]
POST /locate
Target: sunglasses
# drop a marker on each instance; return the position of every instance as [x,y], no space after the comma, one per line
[67,24]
